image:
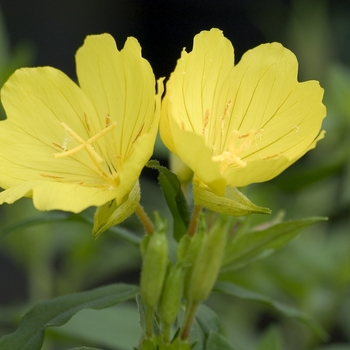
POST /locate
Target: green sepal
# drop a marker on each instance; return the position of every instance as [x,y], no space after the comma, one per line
[111,214]
[233,203]
[154,265]
[208,262]
[170,302]
[174,197]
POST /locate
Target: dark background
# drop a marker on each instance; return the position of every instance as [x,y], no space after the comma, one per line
[56,29]
[317,31]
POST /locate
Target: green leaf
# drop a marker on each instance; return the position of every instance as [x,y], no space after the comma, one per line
[48,218]
[174,197]
[234,290]
[208,320]
[56,312]
[59,217]
[116,327]
[142,316]
[217,341]
[259,243]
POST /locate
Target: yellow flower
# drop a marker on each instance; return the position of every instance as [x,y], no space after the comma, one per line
[71,147]
[236,125]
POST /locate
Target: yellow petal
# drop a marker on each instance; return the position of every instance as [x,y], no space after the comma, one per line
[36,101]
[58,196]
[121,86]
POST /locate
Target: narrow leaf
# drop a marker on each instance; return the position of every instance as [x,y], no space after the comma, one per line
[234,290]
[259,243]
[56,312]
[174,197]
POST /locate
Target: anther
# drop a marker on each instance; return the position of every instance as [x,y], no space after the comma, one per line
[139,132]
[108,120]
[225,114]
[205,121]
[59,146]
[271,157]
[52,176]
[86,122]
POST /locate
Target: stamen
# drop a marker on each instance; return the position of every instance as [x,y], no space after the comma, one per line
[226,113]
[57,145]
[230,157]
[86,122]
[95,157]
[52,176]
[271,157]
[205,121]
[182,124]
[139,133]
[108,120]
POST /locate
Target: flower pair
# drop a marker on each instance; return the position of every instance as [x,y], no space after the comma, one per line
[70,147]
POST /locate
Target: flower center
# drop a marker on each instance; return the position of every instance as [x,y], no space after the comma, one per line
[237,144]
[106,170]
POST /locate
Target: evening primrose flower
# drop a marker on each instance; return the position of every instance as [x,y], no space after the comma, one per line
[234,125]
[70,147]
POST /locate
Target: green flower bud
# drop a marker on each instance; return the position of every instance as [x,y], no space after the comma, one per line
[171,296]
[155,260]
[197,242]
[208,262]
[182,248]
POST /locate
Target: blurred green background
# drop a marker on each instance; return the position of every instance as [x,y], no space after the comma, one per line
[39,260]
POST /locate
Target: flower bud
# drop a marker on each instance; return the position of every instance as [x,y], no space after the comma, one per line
[171,296]
[208,262]
[155,260]
[189,260]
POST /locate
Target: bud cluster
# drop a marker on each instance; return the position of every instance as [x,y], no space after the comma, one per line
[172,291]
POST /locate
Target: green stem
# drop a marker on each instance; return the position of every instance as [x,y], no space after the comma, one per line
[145,220]
[190,314]
[192,228]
